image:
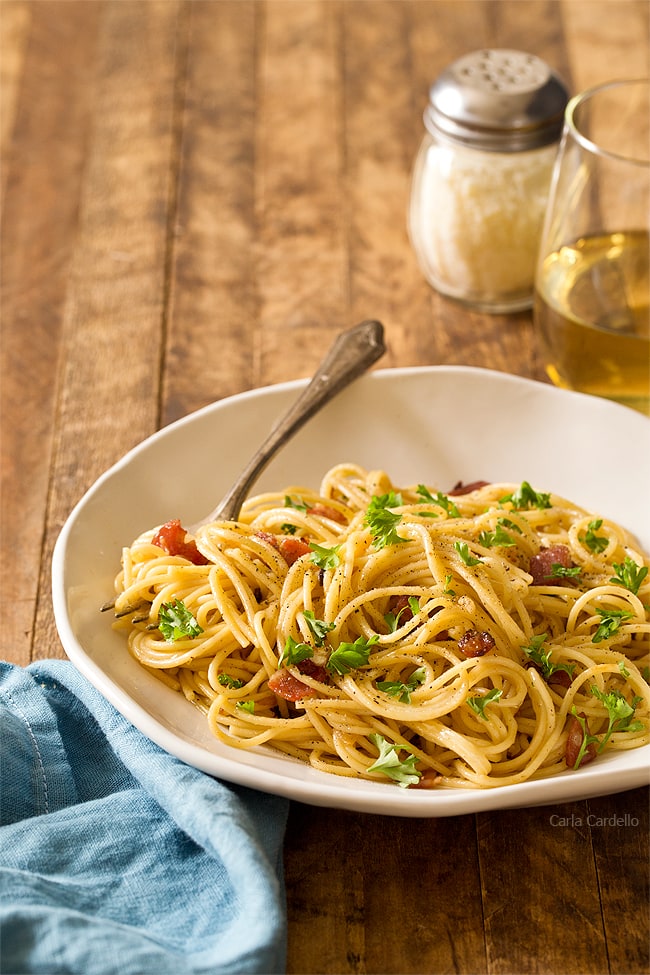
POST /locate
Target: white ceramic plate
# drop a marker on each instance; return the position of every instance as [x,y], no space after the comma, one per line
[432,424]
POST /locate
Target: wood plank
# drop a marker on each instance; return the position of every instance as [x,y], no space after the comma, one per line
[620,830]
[537,918]
[112,330]
[383,131]
[299,198]
[51,117]
[213,305]
[342,911]
[15,20]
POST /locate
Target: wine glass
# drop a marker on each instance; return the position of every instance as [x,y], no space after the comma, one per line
[591,309]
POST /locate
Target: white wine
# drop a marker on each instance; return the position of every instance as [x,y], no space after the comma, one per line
[592,317]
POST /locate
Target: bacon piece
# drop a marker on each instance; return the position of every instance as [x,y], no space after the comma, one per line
[541,565]
[293,549]
[475,643]
[285,685]
[312,669]
[574,742]
[324,511]
[399,607]
[460,488]
[171,538]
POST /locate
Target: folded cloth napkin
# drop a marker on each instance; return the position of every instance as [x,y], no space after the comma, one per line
[116,857]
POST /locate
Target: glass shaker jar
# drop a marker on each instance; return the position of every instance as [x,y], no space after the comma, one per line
[482,174]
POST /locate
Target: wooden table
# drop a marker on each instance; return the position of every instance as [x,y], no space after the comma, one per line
[197,197]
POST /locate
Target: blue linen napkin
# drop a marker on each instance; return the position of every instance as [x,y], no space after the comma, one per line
[116,857]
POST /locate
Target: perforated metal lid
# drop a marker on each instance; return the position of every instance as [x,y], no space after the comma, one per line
[499,100]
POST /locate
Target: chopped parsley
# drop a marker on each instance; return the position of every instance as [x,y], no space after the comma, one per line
[389,763]
[227,681]
[559,571]
[479,703]
[498,537]
[401,690]
[382,521]
[294,653]
[620,713]
[176,622]
[526,497]
[629,574]
[610,621]
[463,550]
[542,660]
[246,706]
[349,656]
[439,499]
[299,504]
[318,628]
[392,619]
[597,543]
[323,557]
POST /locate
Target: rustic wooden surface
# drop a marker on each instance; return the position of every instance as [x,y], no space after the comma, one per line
[196,197]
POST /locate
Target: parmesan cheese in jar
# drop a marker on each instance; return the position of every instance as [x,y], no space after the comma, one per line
[481,177]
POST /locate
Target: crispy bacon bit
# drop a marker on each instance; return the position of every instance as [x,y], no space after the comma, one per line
[428,780]
[285,685]
[475,643]
[574,742]
[399,606]
[460,488]
[171,538]
[268,537]
[560,678]
[324,511]
[293,549]
[311,669]
[541,565]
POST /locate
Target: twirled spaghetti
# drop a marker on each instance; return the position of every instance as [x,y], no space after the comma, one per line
[474,638]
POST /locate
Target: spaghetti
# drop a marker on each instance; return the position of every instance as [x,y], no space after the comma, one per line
[475,638]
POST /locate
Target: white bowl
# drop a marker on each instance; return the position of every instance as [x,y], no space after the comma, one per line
[433,424]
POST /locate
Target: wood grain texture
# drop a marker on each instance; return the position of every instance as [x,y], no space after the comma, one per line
[197,196]
[44,161]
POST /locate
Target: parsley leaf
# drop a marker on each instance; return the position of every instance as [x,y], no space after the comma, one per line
[559,571]
[227,681]
[401,690]
[620,713]
[478,703]
[294,652]
[587,739]
[629,574]
[392,619]
[325,558]
[534,651]
[597,543]
[246,706]
[318,628]
[498,537]
[389,762]
[383,522]
[299,505]
[439,499]
[175,621]
[526,497]
[349,656]
[611,620]
[463,550]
